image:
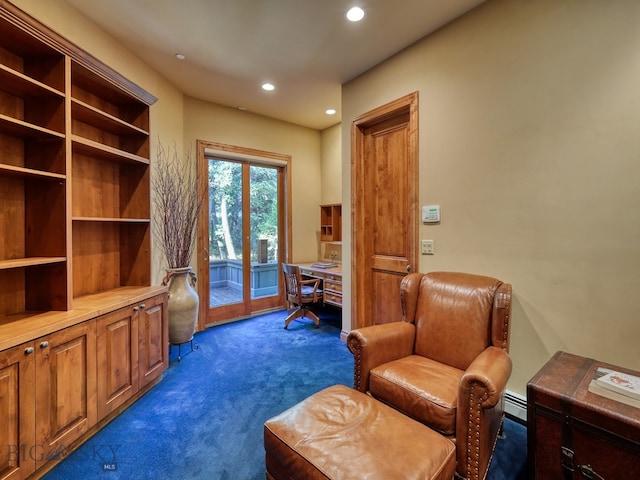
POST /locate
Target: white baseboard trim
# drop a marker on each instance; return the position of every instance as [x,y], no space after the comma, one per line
[515,405]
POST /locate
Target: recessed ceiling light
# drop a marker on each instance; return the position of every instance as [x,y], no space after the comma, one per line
[268,86]
[355,14]
[330,111]
[180,56]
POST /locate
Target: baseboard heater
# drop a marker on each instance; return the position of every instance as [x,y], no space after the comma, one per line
[515,405]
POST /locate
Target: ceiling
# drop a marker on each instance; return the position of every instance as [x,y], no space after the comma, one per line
[306,48]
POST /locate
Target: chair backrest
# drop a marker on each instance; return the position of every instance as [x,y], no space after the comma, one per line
[457,315]
[292,279]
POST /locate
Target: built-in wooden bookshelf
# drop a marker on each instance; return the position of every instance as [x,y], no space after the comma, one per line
[77,309]
[74,192]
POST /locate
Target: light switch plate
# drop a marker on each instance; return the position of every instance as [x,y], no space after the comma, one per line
[427,247]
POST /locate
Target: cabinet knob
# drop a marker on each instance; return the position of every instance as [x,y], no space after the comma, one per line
[44,344]
[135,309]
[28,350]
[142,305]
[408,268]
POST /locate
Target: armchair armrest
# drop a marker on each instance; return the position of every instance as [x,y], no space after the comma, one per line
[378,344]
[480,410]
[488,374]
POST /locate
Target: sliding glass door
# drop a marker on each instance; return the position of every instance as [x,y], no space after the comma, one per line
[245,221]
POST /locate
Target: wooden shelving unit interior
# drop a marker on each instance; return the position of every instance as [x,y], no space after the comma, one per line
[110,172]
[33,256]
[331,223]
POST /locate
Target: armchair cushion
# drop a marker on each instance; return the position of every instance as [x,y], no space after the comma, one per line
[422,388]
[376,345]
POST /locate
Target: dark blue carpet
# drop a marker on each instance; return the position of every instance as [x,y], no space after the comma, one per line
[204,420]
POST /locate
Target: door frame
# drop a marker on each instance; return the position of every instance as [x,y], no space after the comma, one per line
[359,231]
[206,149]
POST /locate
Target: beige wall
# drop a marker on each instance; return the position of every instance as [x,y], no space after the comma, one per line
[206,121]
[530,142]
[331,149]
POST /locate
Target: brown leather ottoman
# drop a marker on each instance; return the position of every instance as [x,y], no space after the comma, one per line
[341,433]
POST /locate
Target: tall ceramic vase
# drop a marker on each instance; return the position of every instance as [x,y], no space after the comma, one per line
[183,304]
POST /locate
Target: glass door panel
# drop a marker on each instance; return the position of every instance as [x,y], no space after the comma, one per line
[226,265]
[263,193]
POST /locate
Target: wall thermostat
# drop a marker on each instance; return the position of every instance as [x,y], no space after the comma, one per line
[431,214]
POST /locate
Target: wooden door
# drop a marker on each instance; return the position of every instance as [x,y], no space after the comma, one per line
[384,173]
[66,389]
[117,347]
[153,339]
[17,411]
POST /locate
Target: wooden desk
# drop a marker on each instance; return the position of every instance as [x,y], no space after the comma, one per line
[331,279]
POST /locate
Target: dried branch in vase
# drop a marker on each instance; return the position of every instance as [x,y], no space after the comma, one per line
[176,206]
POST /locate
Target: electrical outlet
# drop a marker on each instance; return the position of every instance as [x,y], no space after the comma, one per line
[427,247]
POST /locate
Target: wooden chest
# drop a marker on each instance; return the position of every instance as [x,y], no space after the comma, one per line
[574,434]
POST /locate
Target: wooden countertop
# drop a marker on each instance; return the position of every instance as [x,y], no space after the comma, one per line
[313,266]
[24,327]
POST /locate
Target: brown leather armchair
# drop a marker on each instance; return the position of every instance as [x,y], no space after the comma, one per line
[446,364]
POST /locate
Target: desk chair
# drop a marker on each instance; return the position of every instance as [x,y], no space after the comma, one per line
[301,294]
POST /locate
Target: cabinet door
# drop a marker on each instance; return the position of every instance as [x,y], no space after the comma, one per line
[117,356]
[66,388]
[17,411]
[153,339]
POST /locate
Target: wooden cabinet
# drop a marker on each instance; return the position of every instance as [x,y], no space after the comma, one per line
[117,342]
[55,390]
[331,223]
[153,338]
[331,282]
[333,289]
[17,410]
[65,388]
[131,351]
[47,398]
